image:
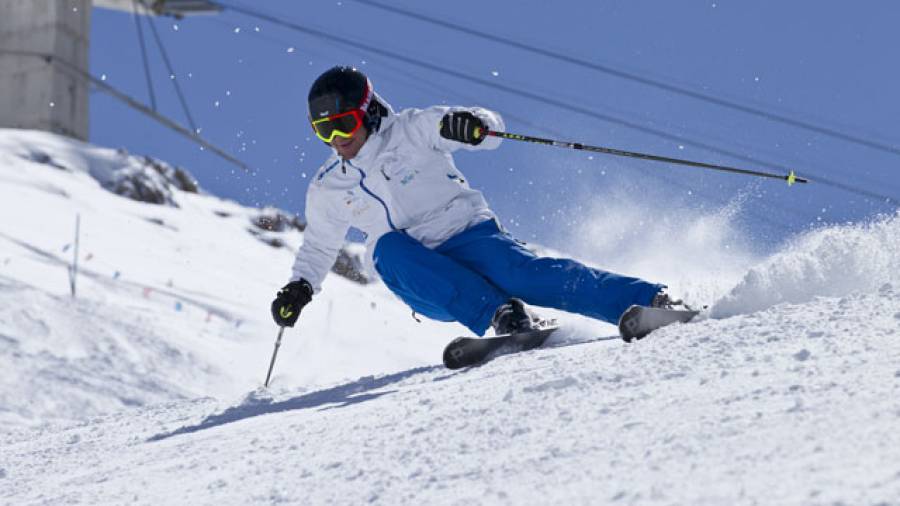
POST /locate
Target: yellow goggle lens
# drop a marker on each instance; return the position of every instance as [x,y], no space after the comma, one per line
[339,125]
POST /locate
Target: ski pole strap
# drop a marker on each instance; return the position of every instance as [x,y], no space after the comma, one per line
[791,177]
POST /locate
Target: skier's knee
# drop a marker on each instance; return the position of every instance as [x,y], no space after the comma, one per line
[389,249]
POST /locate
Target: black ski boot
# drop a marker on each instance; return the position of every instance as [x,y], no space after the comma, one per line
[638,321]
[664,301]
[513,318]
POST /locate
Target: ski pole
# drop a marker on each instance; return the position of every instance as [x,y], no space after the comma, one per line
[274,354]
[791,178]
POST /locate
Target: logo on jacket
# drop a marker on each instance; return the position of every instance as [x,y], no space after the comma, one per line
[409,177]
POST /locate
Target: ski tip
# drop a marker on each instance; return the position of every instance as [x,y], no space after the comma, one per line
[638,321]
[454,354]
[628,324]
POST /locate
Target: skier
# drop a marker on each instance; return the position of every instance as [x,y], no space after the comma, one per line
[433,240]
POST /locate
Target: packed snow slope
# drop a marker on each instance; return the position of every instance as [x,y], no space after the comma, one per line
[172,302]
[786,391]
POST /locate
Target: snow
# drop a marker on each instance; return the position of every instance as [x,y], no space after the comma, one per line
[829,262]
[121,342]
[787,391]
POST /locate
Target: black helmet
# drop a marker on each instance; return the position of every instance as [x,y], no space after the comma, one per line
[343,89]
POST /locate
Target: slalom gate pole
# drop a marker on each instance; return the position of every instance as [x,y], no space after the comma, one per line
[73,269]
[791,178]
[274,354]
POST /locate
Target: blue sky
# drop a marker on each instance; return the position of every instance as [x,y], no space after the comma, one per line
[827,63]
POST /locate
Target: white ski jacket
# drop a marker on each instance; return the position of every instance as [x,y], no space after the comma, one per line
[402,179]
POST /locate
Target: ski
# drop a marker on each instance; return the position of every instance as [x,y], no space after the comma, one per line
[638,321]
[469,351]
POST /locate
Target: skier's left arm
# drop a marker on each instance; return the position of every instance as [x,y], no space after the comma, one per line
[451,128]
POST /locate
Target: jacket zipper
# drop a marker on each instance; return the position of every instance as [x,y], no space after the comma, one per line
[366,189]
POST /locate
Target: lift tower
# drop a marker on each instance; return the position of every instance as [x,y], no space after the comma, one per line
[41,42]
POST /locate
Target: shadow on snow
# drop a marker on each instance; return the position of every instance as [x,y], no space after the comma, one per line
[340,396]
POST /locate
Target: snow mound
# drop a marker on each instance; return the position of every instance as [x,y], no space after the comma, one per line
[139,178]
[829,262]
[49,373]
[704,257]
[146,179]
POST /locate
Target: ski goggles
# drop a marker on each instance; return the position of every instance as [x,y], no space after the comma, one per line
[343,125]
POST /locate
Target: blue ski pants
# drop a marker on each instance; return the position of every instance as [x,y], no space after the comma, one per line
[470,275]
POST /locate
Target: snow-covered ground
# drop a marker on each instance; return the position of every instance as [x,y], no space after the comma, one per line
[173,302]
[145,388]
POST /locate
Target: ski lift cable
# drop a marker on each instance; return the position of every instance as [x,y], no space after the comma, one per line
[173,76]
[433,85]
[540,98]
[634,77]
[78,73]
[667,87]
[143,46]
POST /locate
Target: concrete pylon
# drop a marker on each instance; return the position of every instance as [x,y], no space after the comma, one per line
[34,93]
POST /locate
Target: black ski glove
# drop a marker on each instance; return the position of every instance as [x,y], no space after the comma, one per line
[463,126]
[289,301]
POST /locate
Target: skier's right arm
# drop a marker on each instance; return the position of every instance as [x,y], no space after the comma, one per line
[328,219]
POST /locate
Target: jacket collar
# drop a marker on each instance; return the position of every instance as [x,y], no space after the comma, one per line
[372,147]
[373,144]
